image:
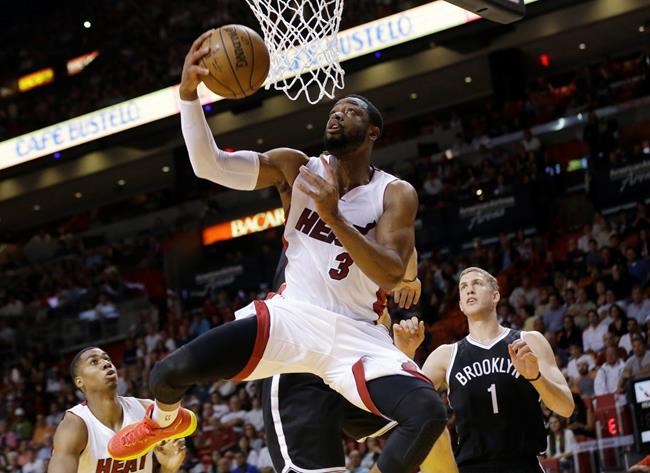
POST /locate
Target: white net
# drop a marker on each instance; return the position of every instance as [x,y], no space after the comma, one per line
[301,36]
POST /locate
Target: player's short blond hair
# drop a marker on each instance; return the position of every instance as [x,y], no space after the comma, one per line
[492,281]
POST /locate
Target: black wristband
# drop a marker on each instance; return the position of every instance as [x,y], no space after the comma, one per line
[539,375]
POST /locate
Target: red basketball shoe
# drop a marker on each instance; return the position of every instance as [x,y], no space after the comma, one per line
[138,439]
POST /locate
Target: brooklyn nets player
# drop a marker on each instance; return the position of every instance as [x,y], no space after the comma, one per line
[496,377]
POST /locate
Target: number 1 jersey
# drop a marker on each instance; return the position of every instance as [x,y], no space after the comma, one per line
[498,416]
[319,270]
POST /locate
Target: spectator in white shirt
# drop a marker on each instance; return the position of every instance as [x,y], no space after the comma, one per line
[583,241]
[254,440]
[255,416]
[592,336]
[529,293]
[433,185]
[639,308]
[577,357]
[264,462]
[168,342]
[530,142]
[88,313]
[105,308]
[33,465]
[235,418]
[609,375]
[373,452]
[602,230]
[632,330]
[561,443]
[152,338]
[219,406]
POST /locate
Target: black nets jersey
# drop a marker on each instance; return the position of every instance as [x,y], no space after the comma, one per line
[498,416]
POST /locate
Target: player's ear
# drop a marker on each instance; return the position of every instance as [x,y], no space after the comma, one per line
[373,133]
[79,383]
[496,297]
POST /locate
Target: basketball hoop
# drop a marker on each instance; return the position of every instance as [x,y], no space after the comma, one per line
[301,36]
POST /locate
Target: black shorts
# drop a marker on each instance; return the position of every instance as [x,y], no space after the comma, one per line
[304,419]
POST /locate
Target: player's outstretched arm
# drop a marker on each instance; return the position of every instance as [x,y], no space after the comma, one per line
[435,368]
[534,360]
[240,170]
[69,441]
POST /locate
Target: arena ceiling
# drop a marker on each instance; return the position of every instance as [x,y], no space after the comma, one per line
[435,74]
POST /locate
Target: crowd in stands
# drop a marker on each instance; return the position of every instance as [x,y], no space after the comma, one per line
[588,291]
[499,170]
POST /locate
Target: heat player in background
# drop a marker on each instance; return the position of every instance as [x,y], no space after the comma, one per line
[82,436]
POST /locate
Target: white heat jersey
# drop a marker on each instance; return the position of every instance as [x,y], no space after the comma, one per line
[319,271]
[95,457]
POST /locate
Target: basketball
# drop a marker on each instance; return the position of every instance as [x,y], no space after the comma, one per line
[238,61]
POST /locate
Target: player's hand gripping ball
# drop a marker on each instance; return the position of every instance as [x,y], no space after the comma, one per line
[237,60]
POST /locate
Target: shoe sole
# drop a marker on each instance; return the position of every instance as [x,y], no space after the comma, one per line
[189,431]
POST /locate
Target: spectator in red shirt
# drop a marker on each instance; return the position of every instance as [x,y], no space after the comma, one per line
[221,437]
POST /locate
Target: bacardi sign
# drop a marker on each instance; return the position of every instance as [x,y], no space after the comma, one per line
[243,226]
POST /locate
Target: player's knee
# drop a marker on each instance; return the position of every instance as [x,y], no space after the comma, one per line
[436,416]
[426,411]
[166,377]
[422,418]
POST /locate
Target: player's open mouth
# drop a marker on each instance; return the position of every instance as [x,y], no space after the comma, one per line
[111,374]
[471,300]
[333,126]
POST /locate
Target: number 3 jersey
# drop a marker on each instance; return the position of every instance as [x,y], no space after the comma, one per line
[498,416]
[319,270]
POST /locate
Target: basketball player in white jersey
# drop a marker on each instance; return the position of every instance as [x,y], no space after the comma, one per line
[304,419]
[496,377]
[82,437]
[349,233]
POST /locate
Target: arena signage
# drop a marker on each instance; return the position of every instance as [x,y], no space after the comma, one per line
[79,63]
[219,278]
[81,129]
[36,79]
[628,178]
[477,215]
[354,42]
[243,226]
[491,217]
